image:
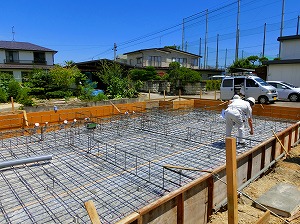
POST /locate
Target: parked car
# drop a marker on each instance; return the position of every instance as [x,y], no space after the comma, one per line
[286,91]
[248,86]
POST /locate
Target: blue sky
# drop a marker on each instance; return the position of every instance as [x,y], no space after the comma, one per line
[87,30]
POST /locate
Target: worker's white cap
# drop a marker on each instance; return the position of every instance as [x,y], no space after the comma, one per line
[236,97]
[251,99]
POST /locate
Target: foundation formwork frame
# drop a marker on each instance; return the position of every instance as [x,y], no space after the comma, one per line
[177,196]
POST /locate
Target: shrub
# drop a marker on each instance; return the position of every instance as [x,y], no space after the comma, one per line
[213,85]
[56,94]
[24,97]
[14,88]
[3,96]
[100,97]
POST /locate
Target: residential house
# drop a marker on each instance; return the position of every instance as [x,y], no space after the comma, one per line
[161,58]
[19,58]
[288,67]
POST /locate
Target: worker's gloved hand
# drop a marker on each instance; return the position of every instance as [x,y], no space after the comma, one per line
[251,132]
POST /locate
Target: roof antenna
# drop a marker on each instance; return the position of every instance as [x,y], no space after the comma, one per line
[13,33]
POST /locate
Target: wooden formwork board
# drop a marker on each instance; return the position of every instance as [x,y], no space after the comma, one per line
[242,172]
[165,213]
[14,121]
[195,204]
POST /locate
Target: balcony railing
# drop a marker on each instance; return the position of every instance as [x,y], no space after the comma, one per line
[27,62]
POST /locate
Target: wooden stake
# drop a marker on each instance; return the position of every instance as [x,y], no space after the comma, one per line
[231,165]
[12,104]
[149,95]
[286,152]
[164,95]
[215,94]
[92,212]
[179,93]
[25,118]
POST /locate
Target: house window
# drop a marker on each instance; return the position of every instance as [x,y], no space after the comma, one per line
[39,58]
[12,56]
[182,61]
[139,60]
[194,62]
[155,61]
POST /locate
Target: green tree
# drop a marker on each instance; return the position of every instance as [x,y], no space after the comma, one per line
[182,74]
[58,82]
[119,85]
[249,62]
[149,73]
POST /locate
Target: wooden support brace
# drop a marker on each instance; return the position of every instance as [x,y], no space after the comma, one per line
[186,168]
[287,153]
[115,106]
[92,212]
[264,219]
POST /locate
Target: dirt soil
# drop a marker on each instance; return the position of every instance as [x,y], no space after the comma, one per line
[286,170]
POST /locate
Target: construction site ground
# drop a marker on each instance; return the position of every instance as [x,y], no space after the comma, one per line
[286,170]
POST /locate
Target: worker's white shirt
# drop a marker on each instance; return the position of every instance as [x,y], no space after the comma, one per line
[242,107]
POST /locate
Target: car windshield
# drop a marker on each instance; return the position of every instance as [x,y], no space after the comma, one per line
[289,85]
[262,82]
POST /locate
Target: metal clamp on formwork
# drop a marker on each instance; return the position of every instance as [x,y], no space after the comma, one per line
[23,161]
[89,124]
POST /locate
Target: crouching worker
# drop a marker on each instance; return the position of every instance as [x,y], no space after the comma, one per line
[237,112]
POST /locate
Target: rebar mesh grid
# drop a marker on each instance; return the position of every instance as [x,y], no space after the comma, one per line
[119,164]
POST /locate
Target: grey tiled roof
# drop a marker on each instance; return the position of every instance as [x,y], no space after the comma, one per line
[13,45]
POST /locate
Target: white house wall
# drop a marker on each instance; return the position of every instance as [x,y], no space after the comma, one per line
[284,72]
[49,58]
[26,56]
[290,49]
[2,56]
[166,58]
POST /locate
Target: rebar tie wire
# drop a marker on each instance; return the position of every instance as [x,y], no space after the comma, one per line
[218,178]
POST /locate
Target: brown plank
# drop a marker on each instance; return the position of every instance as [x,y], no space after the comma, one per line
[92,212]
[180,209]
[210,196]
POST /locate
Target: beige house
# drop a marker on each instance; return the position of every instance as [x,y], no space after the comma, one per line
[19,58]
[288,67]
[161,58]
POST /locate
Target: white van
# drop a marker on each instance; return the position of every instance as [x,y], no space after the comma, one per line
[248,86]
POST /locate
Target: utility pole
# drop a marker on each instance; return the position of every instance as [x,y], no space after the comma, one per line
[217,53]
[13,33]
[115,51]
[298,26]
[186,46]
[264,41]
[206,58]
[205,43]
[225,59]
[200,53]
[182,42]
[281,27]
[237,33]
